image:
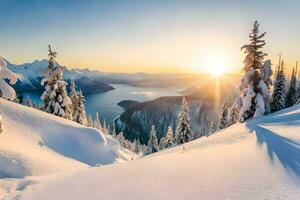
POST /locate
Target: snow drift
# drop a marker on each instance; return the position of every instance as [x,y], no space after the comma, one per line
[37,143]
[259,159]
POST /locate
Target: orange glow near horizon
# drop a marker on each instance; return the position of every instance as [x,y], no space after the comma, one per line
[160,57]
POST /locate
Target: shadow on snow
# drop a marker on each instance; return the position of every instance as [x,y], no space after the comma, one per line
[286,150]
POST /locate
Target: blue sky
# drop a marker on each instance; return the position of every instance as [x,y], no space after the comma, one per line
[152,36]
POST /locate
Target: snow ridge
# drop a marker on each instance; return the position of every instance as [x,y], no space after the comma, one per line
[36,143]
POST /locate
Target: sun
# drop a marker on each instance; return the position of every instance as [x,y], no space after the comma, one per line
[216,66]
[215,62]
[217,70]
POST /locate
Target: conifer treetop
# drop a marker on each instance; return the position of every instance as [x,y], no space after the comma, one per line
[255,55]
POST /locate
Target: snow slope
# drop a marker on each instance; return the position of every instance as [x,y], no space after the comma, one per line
[259,159]
[37,143]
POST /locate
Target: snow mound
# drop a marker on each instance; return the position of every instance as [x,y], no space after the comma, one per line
[259,159]
[37,143]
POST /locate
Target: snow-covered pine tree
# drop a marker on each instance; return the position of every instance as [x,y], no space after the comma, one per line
[298,94]
[298,88]
[223,118]
[55,97]
[29,102]
[133,145]
[114,132]
[267,73]
[80,115]
[90,122]
[73,97]
[183,132]
[253,89]
[104,128]
[168,140]
[108,129]
[97,123]
[120,137]
[213,127]
[123,142]
[291,95]
[233,116]
[152,146]
[278,96]
[6,90]
[126,144]
[138,146]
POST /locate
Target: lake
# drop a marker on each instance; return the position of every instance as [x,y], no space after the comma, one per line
[107,103]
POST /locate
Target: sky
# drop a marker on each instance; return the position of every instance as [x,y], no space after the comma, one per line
[167,36]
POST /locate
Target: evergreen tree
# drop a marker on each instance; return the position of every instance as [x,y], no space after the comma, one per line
[223,118]
[213,128]
[152,146]
[123,142]
[80,115]
[138,146]
[90,122]
[126,144]
[298,88]
[267,74]
[133,146]
[73,97]
[29,102]
[233,116]
[97,123]
[121,139]
[298,94]
[278,96]
[167,141]
[253,88]
[55,97]
[183,129]
[6,90]
[291,95]
[114,132]
[104,128]
[108,129]
[19,99]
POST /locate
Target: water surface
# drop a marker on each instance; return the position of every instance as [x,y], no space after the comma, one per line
[107,103]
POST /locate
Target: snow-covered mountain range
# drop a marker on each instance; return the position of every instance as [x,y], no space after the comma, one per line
[30,75]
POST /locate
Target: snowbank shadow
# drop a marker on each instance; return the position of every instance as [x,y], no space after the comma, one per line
[286,150]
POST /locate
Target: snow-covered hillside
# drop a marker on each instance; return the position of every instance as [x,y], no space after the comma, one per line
[259,159]
[37,143]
